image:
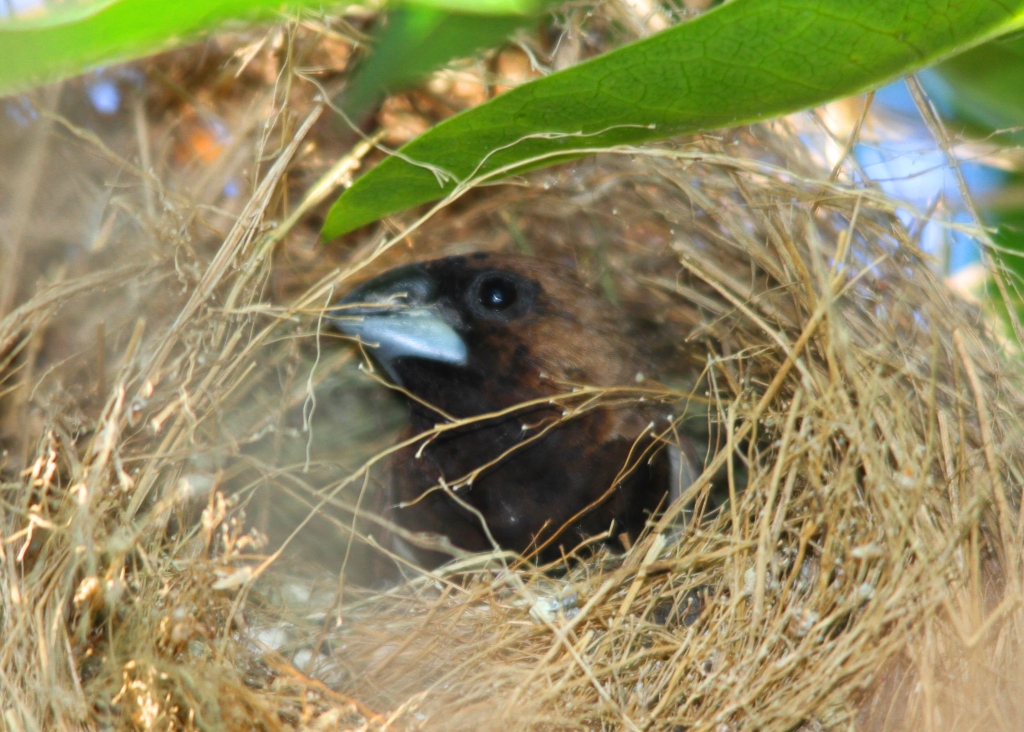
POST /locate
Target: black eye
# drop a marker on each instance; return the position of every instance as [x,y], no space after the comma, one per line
[497,294]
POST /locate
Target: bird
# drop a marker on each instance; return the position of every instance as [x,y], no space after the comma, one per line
[523,382]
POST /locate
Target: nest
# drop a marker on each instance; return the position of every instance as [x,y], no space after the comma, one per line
[186,444]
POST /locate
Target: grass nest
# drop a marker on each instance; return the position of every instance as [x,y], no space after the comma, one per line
[186,445]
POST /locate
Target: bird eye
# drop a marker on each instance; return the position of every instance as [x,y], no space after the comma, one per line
[497,294]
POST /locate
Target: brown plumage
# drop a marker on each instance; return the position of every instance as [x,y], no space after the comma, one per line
[471,337]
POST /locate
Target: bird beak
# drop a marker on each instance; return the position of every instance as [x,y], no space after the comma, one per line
[395,315]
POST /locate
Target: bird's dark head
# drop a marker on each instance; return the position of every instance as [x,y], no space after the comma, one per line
[497,328]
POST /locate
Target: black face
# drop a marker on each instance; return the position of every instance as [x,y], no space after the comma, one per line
[422,320]
[477,298]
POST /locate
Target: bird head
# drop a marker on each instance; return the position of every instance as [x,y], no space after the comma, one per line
[486,331]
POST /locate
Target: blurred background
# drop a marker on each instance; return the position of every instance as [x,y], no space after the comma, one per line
[978,95]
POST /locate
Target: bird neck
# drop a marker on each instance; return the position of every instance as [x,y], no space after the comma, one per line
[442,390]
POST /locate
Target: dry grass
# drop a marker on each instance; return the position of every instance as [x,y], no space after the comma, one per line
[185,445]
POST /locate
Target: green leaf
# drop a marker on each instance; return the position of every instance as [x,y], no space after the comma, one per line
[1005,212]
[984,86]
[981,94]
[488,7]
[70,38]
[416,40]
[37,51]
[747,60]
[66,12]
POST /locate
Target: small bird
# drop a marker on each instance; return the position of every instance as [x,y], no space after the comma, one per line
[488,349]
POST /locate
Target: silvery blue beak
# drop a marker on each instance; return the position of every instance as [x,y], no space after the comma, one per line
[395,315]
